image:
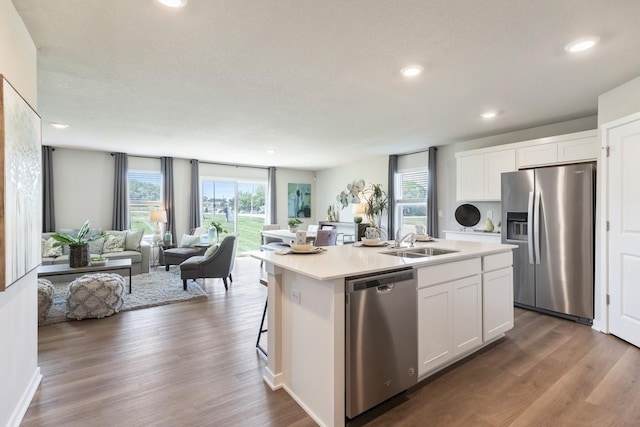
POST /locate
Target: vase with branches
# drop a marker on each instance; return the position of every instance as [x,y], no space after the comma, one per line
[376,202]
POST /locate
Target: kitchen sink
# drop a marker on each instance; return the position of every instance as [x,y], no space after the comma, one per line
[418,252]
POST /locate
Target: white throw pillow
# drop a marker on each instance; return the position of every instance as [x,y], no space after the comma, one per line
[211,250]
[188,240]
[133,239]
[50,251]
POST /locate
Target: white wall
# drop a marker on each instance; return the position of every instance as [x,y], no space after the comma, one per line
[19,372]
[619,102]
[330,182]
[446,164]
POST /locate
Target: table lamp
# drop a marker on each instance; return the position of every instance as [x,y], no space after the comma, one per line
[358,210]
[158,217]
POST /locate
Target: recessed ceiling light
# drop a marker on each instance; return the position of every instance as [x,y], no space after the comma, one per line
[271,151]
[582,44]
[412,70]
[173,3]
[488,115]
[59,125]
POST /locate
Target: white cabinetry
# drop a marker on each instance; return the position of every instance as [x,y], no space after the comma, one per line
[473,236]
[497,295]
[478,175]
[575,147]
[449,312]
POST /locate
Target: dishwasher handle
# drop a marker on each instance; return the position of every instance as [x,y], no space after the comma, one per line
[384,289]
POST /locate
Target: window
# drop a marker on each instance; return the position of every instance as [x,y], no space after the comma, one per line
[411,199]
[238,206]
[144,196]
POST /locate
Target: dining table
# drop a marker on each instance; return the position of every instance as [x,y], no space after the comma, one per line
[286,236]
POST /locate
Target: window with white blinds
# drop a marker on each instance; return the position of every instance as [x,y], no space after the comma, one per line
[411,184]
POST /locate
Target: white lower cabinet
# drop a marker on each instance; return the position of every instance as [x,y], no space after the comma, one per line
[449,316]
[497,295]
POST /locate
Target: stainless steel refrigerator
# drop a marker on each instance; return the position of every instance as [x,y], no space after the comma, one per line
[550,214]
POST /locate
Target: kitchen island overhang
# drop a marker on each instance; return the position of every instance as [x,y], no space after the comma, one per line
[306,316]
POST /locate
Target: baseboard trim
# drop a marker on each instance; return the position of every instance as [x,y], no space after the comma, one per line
[273,381]
[25,400]
[308,410]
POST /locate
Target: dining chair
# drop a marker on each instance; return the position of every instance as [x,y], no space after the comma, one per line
[326,237]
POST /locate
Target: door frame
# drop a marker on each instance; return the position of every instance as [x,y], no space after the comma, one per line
[602,285]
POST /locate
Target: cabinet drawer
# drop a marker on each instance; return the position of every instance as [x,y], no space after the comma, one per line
[429,276]
[497,261]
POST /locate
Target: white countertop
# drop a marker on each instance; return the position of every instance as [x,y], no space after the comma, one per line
[351,260]
[470,231]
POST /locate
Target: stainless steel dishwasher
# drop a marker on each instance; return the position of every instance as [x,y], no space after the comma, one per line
[382,338]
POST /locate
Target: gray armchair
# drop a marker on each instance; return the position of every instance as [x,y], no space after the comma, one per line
[217,265]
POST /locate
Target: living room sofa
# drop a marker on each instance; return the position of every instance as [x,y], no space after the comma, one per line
[134,248]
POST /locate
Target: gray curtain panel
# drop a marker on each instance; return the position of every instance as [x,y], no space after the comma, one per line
[168,198]
[432,204]
[194,199]
[272,215]
[48,211]
[120,217]
[393,169]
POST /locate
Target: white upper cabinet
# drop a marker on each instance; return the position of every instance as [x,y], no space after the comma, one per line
[571,148]
[478,171]
[478,175]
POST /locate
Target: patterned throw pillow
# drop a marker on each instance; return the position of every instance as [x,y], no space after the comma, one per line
[188,240]
[211,250]
[114,243]
[50,251]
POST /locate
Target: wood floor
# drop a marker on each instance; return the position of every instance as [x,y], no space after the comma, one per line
[195,364]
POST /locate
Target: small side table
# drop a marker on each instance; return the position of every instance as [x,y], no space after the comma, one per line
[158,258]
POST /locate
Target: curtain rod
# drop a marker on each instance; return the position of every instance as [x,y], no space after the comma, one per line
[200,161]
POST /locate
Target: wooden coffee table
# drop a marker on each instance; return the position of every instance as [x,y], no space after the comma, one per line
[62,269]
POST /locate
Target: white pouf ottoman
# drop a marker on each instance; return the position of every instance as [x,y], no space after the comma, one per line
[95,296]
[45,299]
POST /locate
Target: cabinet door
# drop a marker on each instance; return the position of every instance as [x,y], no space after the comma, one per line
[578,149]
[434,327]
[494,165]
[543,154]
[497,294]
[470,177]
[467,314]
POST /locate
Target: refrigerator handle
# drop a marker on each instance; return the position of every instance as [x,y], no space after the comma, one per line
[530,227]
[536,227]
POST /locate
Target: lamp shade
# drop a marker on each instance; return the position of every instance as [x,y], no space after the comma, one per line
[358,209]
[158,216]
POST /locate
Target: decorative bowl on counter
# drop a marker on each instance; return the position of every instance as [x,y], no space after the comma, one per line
[370,242]
[302,248]
[97,262]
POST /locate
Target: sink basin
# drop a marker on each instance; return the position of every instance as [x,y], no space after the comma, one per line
[418,252]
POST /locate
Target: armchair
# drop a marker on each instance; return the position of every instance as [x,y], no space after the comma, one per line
[214,264]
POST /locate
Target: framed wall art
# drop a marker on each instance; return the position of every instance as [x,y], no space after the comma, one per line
[20,186]
[299,198]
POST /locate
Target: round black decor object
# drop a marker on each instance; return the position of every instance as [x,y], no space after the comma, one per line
[467,215]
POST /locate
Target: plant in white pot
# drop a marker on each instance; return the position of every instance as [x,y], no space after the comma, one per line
[293,224]
[78,246]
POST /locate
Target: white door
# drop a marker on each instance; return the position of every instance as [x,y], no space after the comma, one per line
[624,231]
[467,314]
[434,327]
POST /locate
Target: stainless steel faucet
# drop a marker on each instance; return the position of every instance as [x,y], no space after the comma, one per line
[399,240]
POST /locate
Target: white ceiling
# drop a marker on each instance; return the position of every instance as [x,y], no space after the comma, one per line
[317,81]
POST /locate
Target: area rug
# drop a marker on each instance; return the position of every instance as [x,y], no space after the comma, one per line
[150,289]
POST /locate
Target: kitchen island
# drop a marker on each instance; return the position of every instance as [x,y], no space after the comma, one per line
[464,301]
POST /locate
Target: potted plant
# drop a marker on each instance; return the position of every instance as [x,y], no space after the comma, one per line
[293,224]
[376,202]
[215,229]
[78,246]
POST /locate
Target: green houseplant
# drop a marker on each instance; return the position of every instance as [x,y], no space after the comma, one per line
[79,245]
[376,201]
[293,224]
[219,229]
